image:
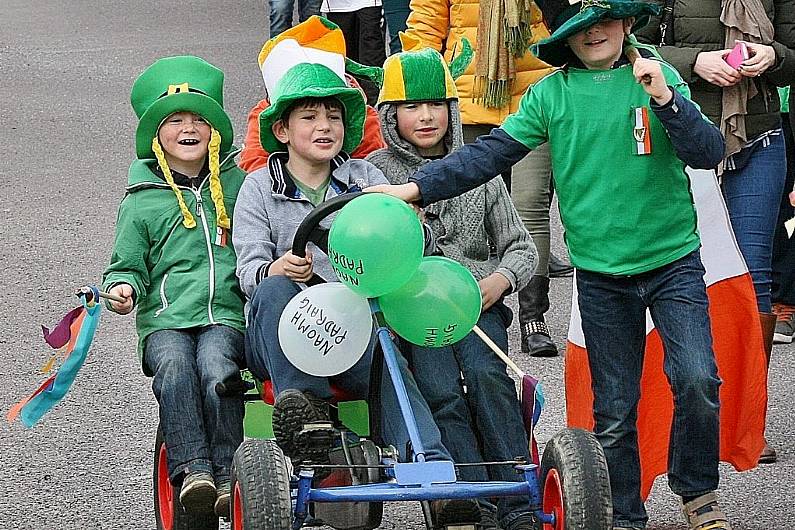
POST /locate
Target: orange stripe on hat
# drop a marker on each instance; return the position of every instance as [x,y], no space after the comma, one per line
[315,32]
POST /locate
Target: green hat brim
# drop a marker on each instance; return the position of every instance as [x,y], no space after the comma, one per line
[204,106]
[554,51]
[354,115]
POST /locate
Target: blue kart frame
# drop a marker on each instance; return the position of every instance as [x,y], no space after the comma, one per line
[563,492]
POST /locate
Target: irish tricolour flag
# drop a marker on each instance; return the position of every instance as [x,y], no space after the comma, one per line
[737,339]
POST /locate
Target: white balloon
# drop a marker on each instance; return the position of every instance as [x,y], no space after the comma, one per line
[325,329]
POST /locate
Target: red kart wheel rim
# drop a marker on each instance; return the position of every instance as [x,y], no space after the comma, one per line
[237,509]
[165,492]
[553,500]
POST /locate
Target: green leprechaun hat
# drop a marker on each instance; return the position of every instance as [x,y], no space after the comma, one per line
[175,84]
[566,18]
[313,80]
[422,75]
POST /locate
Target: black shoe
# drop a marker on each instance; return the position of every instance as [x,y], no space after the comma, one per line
[559,268]
[536,340]
[302,426]
[449,512]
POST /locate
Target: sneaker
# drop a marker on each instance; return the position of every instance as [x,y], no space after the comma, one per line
[559,268]
[302,426]
[455,512]
[703,513]
[785,323]
[536,340]
[197,493]
[222,499]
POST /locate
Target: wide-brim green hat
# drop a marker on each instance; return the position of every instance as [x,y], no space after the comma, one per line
[178,84]
[554,50]
[312,80]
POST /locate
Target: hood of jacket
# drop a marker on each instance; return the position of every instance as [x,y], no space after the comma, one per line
[406,153]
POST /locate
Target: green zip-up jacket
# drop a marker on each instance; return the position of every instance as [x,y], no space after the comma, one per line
[182,277]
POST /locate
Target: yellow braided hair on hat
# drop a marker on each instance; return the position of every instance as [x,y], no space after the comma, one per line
[216,192]
[187,218]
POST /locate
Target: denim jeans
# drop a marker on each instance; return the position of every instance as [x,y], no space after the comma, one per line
[485,424]
[264,356]
[614,324]
[282,13]
[752,195]
[201,429]
[396,13]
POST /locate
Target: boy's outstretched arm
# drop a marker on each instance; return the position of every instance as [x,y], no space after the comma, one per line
[468,167]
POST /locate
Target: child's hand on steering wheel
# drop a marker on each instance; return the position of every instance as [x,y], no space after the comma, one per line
[296,268]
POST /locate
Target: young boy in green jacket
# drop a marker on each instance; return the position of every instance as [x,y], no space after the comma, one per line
[620,136]
[173,260]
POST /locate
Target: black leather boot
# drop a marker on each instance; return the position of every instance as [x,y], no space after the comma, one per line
[533,303]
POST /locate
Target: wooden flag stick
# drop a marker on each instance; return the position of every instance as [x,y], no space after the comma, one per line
[108,296]
[496,349]
[633,55]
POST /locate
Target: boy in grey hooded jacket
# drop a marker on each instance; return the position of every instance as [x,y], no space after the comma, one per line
[420,121]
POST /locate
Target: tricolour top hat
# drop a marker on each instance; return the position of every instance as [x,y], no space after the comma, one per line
[568,17]
[176,84]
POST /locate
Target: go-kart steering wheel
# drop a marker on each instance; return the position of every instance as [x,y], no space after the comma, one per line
[310,229]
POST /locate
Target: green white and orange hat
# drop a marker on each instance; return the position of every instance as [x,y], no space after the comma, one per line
[421,74]
[183,84]
[308,60]
[569,17]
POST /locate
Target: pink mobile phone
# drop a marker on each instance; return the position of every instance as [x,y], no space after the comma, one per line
[738,54]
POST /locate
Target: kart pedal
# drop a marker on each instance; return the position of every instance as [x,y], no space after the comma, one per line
[314,442]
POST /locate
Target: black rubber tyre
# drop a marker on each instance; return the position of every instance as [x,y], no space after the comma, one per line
[169,513]
[575,484]
[260,487]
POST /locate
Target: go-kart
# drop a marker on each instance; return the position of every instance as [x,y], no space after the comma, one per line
[568,490]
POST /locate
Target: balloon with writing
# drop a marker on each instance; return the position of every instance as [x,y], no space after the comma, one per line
[375,244]
[325,329]
[437,307]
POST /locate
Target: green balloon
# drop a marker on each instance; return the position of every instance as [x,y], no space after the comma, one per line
[437,307]
[375,244]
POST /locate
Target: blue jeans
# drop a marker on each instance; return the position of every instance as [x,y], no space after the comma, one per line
[485,424]
[614,324]
[266,360]
[282,13]
[752,195]
[201,429]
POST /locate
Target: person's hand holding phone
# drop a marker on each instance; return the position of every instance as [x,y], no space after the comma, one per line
[712,68]
[761,57]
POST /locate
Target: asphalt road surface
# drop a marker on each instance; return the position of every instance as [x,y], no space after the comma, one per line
[66,131]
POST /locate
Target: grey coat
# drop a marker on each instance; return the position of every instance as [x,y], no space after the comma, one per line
[269,209]
[468,226]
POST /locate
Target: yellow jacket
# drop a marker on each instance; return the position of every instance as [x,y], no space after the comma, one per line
[440,24]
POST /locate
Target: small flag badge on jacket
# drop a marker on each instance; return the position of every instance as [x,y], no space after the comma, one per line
[220,236]
[642,132]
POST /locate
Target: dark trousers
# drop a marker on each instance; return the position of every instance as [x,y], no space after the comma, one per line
[783,246]
[364,41]
[396,12]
